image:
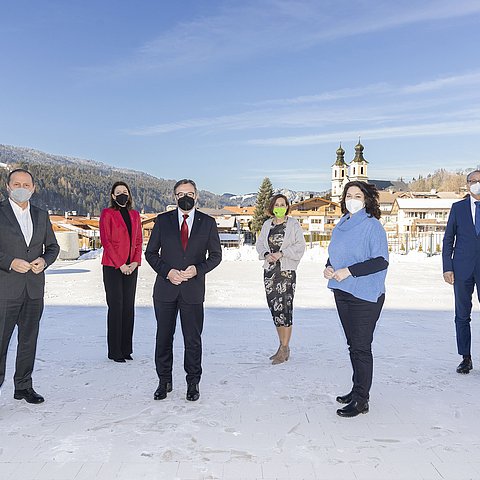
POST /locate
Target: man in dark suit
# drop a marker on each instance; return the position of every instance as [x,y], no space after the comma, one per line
[27,247]
[461,263]
[183,247]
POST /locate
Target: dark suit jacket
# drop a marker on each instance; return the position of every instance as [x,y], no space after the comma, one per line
[461,245]
[164,252]
[12,245]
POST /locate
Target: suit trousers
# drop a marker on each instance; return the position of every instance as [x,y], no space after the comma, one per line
[359,319]
[120,292]
[24,313]
[463,290]
[191,319]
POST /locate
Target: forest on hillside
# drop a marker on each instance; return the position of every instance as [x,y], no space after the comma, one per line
[441,180]
[66,184]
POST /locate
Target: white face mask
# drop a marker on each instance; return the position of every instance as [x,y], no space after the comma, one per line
[20,195]
[475,188]
[353,205]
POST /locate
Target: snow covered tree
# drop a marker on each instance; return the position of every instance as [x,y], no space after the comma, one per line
[265,194]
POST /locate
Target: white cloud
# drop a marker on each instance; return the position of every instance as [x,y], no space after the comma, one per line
[445,97]
[418,130]
[255,27]
[468,79]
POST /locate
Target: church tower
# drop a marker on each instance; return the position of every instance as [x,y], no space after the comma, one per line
[358,166]
[339,174]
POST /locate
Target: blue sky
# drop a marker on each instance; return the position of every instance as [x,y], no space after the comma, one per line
[228,92]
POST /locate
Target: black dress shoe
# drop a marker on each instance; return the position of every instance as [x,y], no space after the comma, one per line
[128,357]
[162,390]
[119,360]
[29,394]
[193,393]
[353,409]
[465,365]
[344,398]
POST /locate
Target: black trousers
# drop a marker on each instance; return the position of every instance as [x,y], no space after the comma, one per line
[191,319]
[25,313]
[120,292]
[359,319]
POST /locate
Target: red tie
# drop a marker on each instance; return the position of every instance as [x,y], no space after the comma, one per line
[184,232]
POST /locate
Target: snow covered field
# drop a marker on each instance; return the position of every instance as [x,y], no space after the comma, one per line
[253,420]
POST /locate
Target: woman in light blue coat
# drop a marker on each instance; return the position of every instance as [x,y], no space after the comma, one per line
[356,271]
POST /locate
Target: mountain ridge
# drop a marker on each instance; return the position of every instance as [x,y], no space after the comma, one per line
[66,183]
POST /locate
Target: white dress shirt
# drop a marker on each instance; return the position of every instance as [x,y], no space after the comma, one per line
[24,219]
[473,207]
[191,216]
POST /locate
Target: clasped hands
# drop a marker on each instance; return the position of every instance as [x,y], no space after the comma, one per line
[22,266]
[128,269]
[178,276]
[273,257]
[341,274]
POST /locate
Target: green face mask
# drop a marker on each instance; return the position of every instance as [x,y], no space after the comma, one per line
[280,212]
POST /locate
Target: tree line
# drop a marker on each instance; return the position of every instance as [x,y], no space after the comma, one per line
[84,187]
[441,180]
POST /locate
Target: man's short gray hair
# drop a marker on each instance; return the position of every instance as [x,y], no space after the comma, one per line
[471,173]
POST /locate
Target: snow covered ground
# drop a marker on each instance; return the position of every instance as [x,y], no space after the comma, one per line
[253,420]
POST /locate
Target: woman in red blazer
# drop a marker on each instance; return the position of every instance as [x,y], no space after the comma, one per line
[121,236]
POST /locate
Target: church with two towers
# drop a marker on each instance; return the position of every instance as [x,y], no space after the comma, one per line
[343,172]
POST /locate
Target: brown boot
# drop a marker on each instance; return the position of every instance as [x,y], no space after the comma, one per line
[282,356]
[271,357]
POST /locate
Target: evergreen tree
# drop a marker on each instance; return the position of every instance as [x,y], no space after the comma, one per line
[265,194]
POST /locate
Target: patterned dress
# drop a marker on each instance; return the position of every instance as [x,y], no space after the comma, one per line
[279,285]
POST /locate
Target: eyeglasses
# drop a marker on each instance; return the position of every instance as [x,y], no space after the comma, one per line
[473,181]
[185,194]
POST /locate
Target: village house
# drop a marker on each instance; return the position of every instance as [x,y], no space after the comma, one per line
[75,234]
[244,215]
[420,215]
[316,214]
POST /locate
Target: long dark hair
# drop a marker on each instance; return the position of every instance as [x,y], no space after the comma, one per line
[113,203]
[370,192]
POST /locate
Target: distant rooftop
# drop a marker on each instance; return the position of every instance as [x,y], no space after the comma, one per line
[395,185]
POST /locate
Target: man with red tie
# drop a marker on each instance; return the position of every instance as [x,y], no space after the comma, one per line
[183,247]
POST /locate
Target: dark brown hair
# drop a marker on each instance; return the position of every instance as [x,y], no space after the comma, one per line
[271,205]
[113,203]
[370,192]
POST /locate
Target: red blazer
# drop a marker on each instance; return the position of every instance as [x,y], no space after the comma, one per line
[115,239]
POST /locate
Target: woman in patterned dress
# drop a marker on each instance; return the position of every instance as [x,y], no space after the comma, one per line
[281,245]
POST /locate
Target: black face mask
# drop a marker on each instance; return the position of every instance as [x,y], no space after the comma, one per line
[186,203]
[121,199]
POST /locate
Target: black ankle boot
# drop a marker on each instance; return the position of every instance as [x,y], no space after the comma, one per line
[353,409]
[465,365]
[345,398]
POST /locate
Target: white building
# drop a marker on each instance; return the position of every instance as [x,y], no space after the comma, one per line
[418,215]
